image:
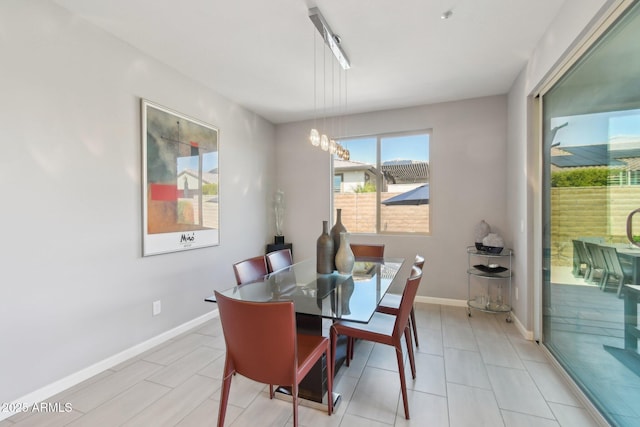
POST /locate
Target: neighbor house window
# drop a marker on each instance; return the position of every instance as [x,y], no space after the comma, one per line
[384,186]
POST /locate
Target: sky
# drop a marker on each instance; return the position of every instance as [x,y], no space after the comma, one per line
[407,147]
[209,162]
[598,128]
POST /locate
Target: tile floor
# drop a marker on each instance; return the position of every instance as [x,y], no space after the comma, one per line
[472,371]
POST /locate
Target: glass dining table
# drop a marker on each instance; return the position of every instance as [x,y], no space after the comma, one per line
[334,296]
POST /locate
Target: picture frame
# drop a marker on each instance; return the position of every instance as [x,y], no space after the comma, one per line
[180,181]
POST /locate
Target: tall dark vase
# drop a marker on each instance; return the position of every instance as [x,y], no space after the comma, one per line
[335,234]
[324,251]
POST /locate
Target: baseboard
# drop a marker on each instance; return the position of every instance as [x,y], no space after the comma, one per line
[69,381]
[528,335]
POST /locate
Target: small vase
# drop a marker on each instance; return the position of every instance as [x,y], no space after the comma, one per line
[335,233]
[324,251]
[344,257]
[481,230]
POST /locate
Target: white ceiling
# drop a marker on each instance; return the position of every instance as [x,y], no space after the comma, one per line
[260,53]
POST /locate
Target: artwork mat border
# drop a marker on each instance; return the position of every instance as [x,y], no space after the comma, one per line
[160,243]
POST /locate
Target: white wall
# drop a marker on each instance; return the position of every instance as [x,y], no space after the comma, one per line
[467,184]
[75,289]
[523,201]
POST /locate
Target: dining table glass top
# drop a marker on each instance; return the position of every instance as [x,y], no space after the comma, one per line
[353,297]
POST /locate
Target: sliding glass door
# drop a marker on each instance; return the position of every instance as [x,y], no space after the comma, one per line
[591,182]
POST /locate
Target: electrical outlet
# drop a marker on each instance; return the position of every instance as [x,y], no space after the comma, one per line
[516,293]
[157,307]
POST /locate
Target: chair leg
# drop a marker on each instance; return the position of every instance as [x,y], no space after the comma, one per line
[403,381]
[412,320]
[333,339]
[294,398]
[412,360]
[620,283]
[330,363]
[224,395]
[270,391]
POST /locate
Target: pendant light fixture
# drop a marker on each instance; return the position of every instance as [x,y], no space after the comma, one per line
[332,41]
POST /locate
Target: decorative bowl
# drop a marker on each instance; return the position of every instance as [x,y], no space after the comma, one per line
[479,246]
[493,249]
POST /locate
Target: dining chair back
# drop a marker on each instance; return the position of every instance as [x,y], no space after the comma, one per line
[367,250]
[580,258]
[386,329]
[250,270]
[278,260]
[598,267]
[390,303]
[262,345]
[615,269]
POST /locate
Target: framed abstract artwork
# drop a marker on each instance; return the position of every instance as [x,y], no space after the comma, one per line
[180,181]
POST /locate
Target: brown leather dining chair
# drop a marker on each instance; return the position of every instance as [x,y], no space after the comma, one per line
[386,329]
[250,270]
[262,345]
[361,250]
[390,303]
[278,260]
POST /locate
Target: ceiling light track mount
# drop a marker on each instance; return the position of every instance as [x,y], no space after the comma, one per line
[332,40]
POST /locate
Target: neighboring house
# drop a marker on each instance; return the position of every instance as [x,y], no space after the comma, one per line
[349,175]
[188,180]
[622,155]
[399,175]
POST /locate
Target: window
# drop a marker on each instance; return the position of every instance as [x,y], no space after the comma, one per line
[591,119]
[384,186]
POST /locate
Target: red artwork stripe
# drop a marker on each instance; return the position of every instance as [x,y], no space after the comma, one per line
[167,192]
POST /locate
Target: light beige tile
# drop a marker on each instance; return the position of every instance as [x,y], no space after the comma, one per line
[316,417]
[243,391]
[376,395]
[430,341]
[514,419]
[265,412]
[6,423]
[551,385]
[99,392]
[345,386]
[48,419]
[423,407]
[63,396]
[176,404]
[459,337]
[516,391]
[430,374]
[212,327]
[123,407]
[497,350]
[183,368]
[570,416]
[355,421]
[454,316]
[470,406]
[179,348]
[214,369]
[361,354]
[485,323]
[384,357]
[428,316]
[206,414]
[466,368]
[527,350]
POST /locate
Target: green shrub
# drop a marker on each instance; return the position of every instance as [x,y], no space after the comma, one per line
[210,189]
[368,187]
[587,177]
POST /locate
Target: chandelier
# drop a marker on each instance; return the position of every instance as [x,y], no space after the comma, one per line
[333,42]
